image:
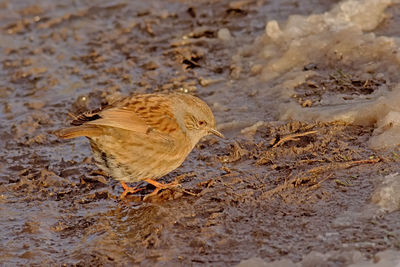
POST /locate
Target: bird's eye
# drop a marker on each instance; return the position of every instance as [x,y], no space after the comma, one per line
[201,123]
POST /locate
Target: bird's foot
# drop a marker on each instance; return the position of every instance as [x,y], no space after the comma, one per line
[128,190]
[159,186]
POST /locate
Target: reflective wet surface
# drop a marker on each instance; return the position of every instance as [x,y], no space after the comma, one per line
[289,180]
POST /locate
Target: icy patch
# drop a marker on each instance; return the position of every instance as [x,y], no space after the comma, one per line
[257,262]
[351,217]
[385,198]
[388,132]
[351,258]
[342,38]
[387,258]
[387,194]
[335,36]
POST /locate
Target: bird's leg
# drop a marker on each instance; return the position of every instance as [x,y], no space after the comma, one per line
[128,190]
[159,186]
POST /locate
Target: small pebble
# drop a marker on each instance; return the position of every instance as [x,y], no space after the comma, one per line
[224,34]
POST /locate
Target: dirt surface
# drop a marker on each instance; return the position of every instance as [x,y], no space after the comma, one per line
[339,84]
[275,190]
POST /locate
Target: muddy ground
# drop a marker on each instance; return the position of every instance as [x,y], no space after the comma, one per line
[273,191]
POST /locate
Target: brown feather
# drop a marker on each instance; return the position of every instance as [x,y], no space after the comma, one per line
[141,114]
[77,131]
[121,118]
[85,117]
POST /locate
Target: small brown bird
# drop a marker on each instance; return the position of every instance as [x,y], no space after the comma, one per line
[144,137]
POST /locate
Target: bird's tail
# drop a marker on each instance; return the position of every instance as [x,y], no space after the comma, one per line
[77,131]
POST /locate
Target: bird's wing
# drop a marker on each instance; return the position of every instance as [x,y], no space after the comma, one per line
[145,114]
[142,114]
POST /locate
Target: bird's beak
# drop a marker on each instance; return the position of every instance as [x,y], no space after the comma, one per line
[213,131]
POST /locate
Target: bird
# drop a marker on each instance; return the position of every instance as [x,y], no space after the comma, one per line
[144,136]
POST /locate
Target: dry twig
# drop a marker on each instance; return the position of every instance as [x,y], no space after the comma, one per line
[293,137]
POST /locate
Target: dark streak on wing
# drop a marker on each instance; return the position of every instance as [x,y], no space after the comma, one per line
[105,159]
[93,114]
[85,117]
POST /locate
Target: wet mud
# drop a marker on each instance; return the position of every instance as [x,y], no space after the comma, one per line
[272,189]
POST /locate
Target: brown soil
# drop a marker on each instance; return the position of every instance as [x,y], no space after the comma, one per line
[274,192]
[338,83]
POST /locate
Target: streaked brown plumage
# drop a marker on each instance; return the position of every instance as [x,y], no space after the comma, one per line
[144,137]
